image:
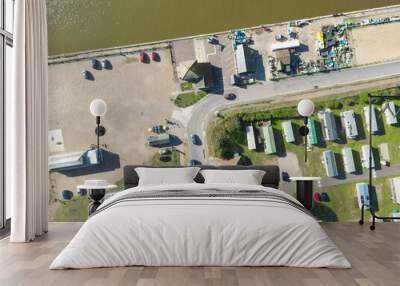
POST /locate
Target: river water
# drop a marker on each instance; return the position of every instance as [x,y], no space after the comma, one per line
[77,25]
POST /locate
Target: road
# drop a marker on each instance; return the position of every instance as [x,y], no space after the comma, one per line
[203,110]
[384,172]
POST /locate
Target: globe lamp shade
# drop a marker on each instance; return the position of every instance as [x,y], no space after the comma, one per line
[98,107]
[305,108]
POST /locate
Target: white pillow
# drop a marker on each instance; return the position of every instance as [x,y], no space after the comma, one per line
[166,176]
[248,177]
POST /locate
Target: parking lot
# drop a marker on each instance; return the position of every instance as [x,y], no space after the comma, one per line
[137,96]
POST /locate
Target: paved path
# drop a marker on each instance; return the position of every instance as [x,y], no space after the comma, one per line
[268,90]
[384,172]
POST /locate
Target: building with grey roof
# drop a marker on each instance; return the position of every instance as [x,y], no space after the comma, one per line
[350,124]
[374,124]
[348,160]
[288,131]
[328,124]
[365,157]
[389,109]
[328,158]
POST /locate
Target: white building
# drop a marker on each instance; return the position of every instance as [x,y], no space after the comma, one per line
[365,157]
[390,112]
[328,158]
[348,160]
[288,131]
[350,124]
[362,195]
[251,139]
[396,190]
[291,44]
[374,124]
[328,125]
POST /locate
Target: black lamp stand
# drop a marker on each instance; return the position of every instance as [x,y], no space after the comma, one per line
[100,131]
[370,185]
[303,130]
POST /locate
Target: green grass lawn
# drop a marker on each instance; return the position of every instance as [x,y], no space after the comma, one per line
[185,86]
[189,98]
[314,167]
[73,210]
[343,206]
[172,159]
[343,203]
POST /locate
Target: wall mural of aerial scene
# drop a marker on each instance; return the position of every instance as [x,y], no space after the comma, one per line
[231,98]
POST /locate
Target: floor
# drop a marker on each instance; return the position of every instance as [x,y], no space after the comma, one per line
[375,257]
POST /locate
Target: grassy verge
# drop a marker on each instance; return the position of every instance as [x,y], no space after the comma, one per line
[185,86]
[171,159]
[189,98]
[389,134]
[74,210]
[343,204]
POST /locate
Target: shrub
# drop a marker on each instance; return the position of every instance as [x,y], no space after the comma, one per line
[226,137]
[335,105]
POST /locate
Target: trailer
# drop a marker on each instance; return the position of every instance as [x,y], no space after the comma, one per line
[75,160]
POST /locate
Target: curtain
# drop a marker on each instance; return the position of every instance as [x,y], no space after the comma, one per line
[26,123]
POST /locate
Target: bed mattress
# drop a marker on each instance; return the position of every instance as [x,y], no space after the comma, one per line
[201,225]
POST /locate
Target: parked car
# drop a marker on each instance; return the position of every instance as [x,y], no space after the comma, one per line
[316,197]
[154,56]
[324,197]
[229,96]
[195,139]
[87,75]
[106,64]
[194,163]
[280,38]
[67,195]
[143,57]
[212,40]
[285,176]
[96,64]
[164,151]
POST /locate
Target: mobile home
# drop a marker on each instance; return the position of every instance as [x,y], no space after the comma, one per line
[312,134]
[396,190]
[251,140]
[269,139]
[328,158]
[328,125]
[365,157]
[374,124]
[362,194]
[288,131]
[348,160]
[390,112]
[349,123]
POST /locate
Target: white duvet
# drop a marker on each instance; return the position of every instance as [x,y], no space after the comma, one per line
[202,231]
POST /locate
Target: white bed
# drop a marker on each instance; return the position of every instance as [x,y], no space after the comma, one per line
[257,226]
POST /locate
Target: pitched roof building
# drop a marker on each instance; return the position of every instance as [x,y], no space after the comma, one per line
[328,124]
[288,131]
[350,124]
[269,139]
[328,158]
[199,74]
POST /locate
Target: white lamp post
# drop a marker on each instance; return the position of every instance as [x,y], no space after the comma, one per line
[305,109]
[98,108]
